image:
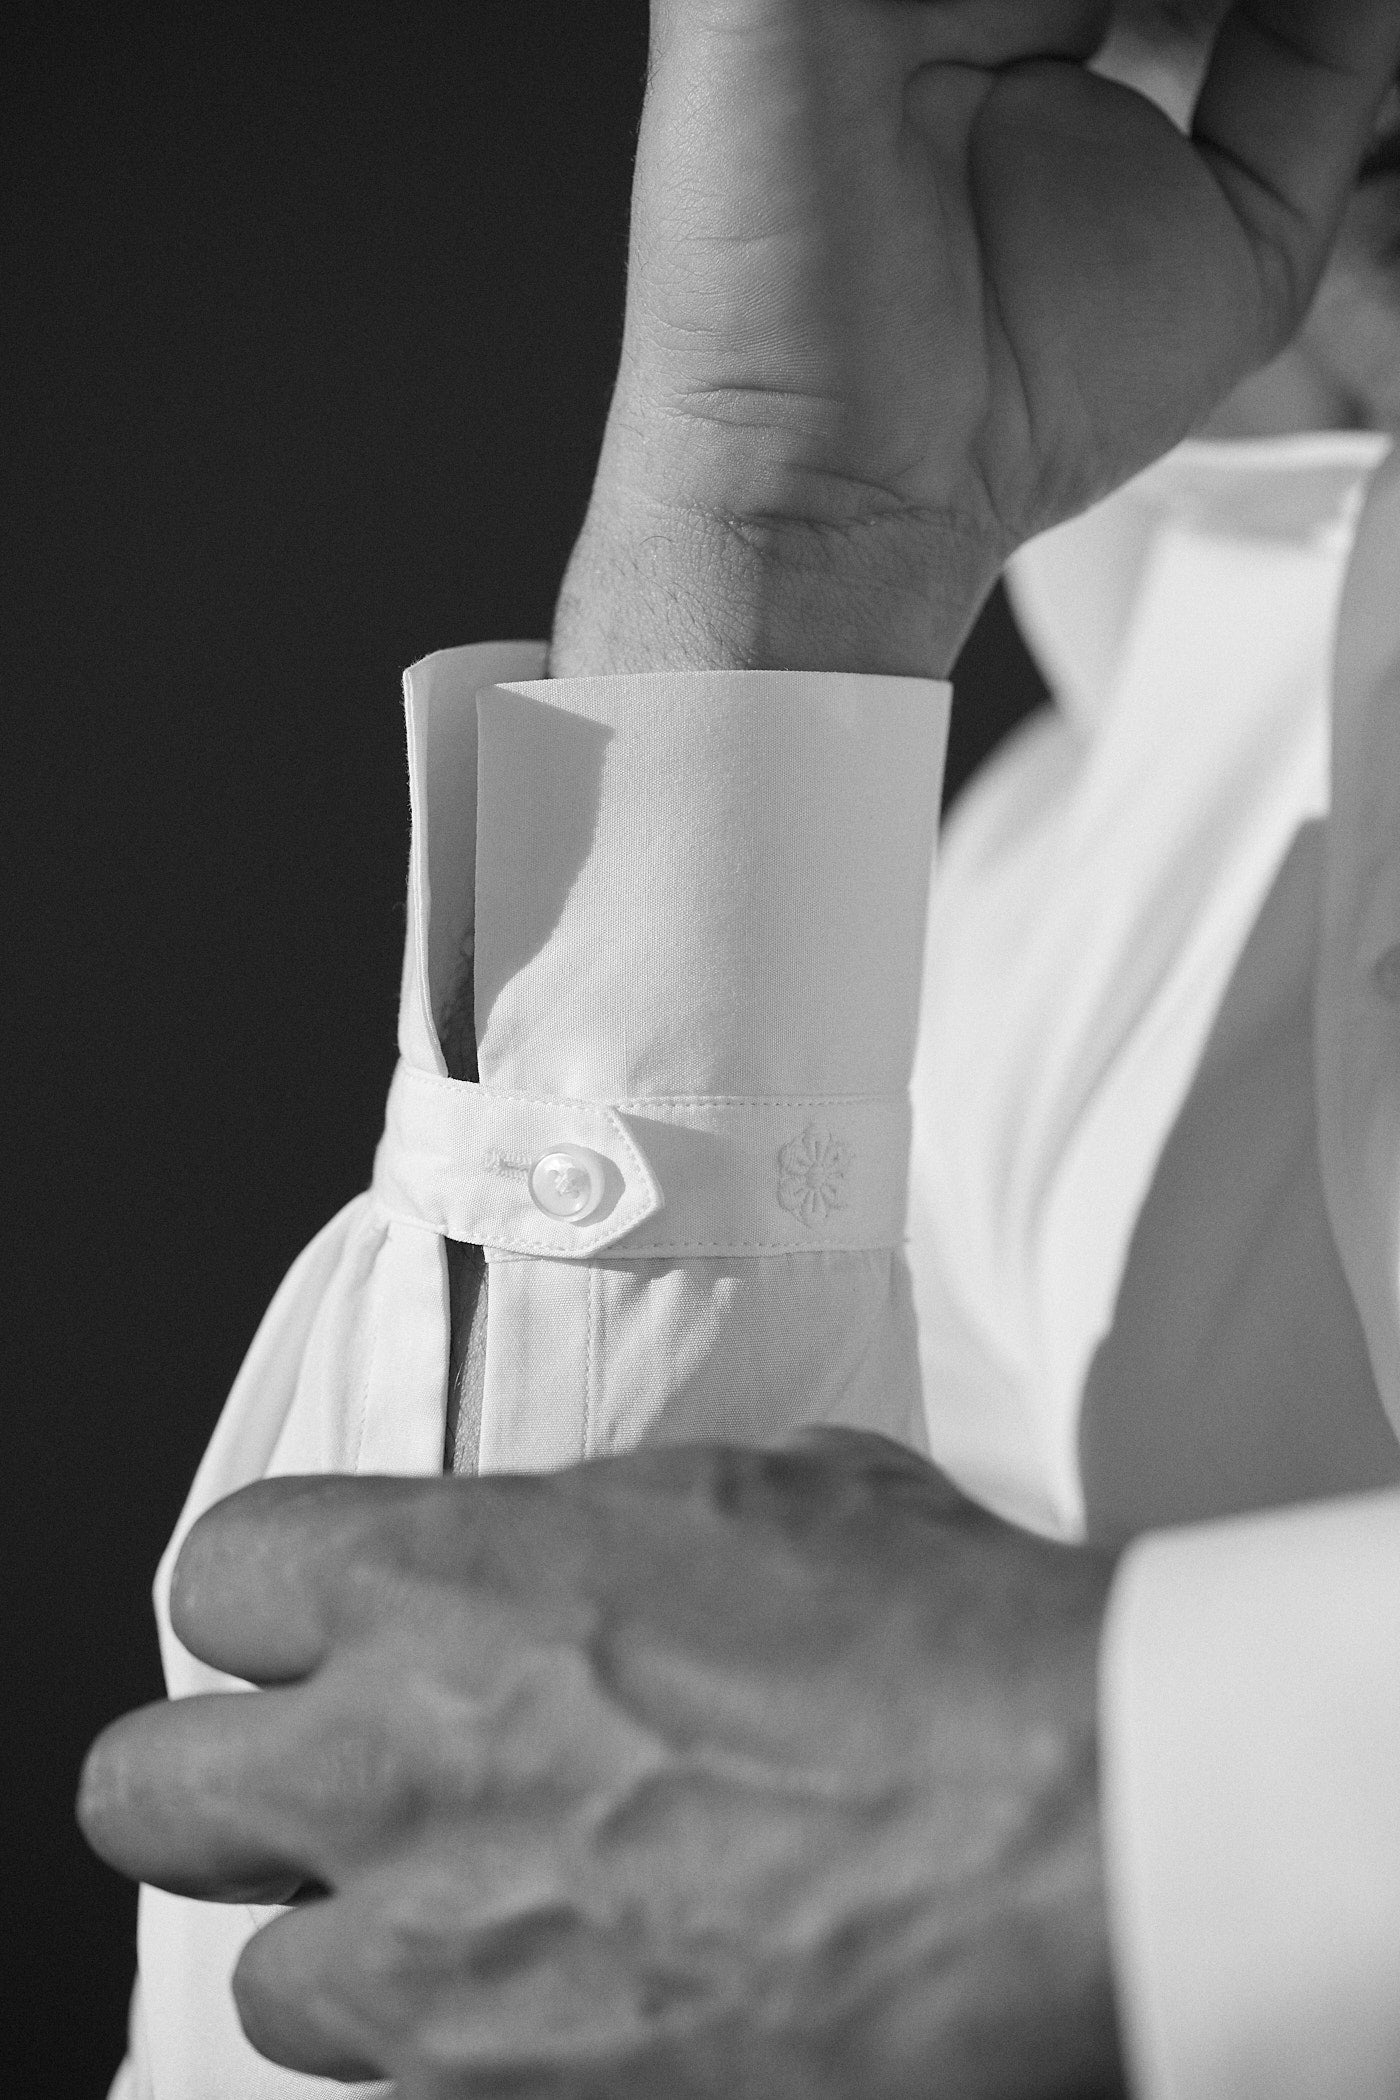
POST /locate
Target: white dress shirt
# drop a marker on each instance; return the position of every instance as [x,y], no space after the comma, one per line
[1251,1671]
[706,966]
[1131,1307]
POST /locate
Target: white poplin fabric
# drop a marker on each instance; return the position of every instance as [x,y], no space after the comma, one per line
[1124,1250]
[698,907]
[1250,1684]
[1131,1308]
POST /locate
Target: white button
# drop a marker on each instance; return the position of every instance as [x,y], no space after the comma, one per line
[568,1183]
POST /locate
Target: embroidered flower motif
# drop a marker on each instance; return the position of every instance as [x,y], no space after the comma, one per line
[812,1172]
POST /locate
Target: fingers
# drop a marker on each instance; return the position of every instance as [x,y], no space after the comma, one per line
[410,1977]
[262,1578]
[289,1988]
[1283,119]
[212,1797]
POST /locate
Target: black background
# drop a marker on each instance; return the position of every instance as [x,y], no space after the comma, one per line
[312,315]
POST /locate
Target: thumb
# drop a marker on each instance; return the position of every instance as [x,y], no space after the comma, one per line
[1283,119]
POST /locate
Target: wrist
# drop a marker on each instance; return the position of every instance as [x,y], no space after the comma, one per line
[655,584]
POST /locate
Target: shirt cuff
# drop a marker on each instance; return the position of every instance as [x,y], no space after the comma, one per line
[711,882]
[1250,1726]
[685,892]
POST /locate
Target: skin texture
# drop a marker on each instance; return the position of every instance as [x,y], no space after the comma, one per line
[1341,370]
[566,1751]
[702,1772]
[909,283]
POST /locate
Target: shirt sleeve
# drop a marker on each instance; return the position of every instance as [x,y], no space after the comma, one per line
[696,904]
[1250,1730]
[1250,1678]
[697,917]
[133,2079]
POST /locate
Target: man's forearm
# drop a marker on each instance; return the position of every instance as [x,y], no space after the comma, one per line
[667,586]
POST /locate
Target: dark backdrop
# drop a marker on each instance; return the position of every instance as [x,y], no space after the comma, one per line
[312,314]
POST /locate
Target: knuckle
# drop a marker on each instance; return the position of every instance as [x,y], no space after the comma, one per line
[403,1949]
[365,1777]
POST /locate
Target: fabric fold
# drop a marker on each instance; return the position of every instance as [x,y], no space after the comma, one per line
[1099,885]
[705,883]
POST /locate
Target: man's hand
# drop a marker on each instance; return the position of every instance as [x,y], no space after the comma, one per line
[694,1772]
[908,283]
